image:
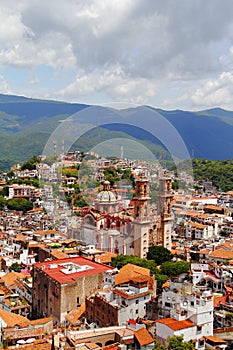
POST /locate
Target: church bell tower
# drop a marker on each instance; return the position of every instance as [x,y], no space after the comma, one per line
[164,209]
[142,218]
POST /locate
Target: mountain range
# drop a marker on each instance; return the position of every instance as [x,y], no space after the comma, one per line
[26,124]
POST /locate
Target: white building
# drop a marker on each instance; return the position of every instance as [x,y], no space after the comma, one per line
[191,314]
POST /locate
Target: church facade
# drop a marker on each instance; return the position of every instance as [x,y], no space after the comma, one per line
[132,230]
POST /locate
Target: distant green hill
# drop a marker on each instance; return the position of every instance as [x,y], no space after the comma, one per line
[26,124]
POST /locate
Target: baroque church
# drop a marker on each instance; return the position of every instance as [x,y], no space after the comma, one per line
[132,230]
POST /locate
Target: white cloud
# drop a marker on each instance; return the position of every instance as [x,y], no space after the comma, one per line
[217,92]
[4,87]
[114,83]
[123,49]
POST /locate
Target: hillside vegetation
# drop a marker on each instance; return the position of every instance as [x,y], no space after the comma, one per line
[26,124]
[220,172]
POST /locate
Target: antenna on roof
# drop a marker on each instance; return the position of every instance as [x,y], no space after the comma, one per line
[54,147]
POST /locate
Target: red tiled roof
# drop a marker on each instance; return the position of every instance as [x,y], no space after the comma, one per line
[176,325]
[211,274]
[56,273]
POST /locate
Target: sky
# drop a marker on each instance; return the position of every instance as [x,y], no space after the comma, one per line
[164,53]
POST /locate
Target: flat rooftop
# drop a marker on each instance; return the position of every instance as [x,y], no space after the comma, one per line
[69,269]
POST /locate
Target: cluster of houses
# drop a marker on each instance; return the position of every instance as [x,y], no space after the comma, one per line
[58,288]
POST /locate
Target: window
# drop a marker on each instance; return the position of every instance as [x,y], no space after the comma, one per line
[136,301]
[136,311]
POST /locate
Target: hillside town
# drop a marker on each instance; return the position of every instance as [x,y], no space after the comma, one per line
[100,253]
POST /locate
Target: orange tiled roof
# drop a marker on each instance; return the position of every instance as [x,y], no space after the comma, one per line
[219,299]
[11,277]
[225,245]
[92,345]
[193,213]
[143,337]
[195,224]
[20,237]
[59,254]
[215,339]
[74,315]
[203,198]
[104,258]
[46,232]
[41,321]
[204,216]
[213,207]
[222,254]
[166,284]
[176,325]
[176,251]
[12,319]
[130,271]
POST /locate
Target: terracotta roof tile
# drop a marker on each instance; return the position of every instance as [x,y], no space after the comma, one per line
[221,254]
[12,319]
[219,299]
[196,225]
[58,265]
[41,321]
[130,271]
[215,339]
[74,315]
[176,325]
[143,337]
[11,277]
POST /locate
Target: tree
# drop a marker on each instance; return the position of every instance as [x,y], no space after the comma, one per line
[158,346]
[10,174]
[175,268]
[31,163]
[159,254]
[161,279]
[15,267]
[177,343]
[121,260]
[19,204]
[2,202]
[5,191]
[111,175]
